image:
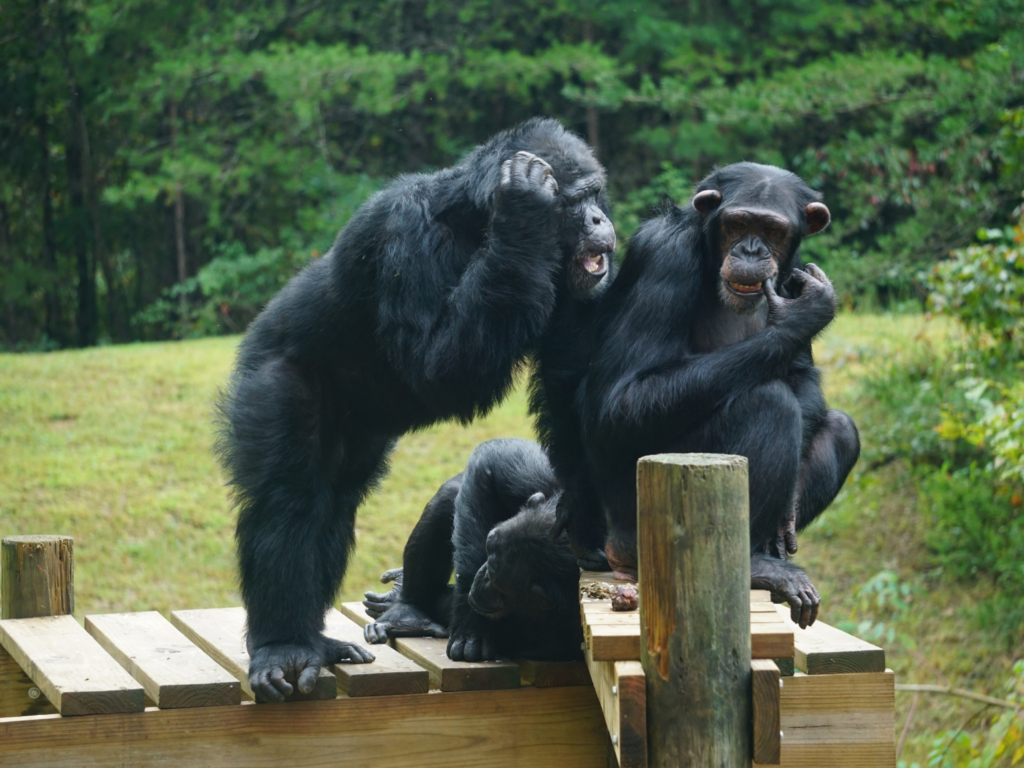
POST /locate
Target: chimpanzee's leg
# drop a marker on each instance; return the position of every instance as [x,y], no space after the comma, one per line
[765,425]
[419,603]
[500,477]
[828,462]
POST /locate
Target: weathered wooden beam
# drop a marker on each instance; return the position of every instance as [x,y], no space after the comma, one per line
[70,668]
[445,674]
[535,727]
[694,556]
[553,674]
[839,721]
[38,574]
[765,685]
[170,667]
[220,633]
[824,650]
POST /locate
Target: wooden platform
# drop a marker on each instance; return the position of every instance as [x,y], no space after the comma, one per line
[836,710]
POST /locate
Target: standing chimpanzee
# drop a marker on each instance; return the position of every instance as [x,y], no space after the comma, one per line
[422,310]
[515,588]
[704,345]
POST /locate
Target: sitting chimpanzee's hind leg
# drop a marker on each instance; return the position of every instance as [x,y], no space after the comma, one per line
[419,603]
[827,463]
[500,477]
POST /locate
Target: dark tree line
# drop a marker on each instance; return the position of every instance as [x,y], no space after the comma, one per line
[164,167]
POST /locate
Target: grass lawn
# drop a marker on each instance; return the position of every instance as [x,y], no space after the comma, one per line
[112,446]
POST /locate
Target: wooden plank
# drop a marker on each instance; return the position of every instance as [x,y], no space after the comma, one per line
[760,596]
[771,641]
[622,690]
[431,653]
[553,674]
[220,633]
[613,642]
[824,650]
[536,727]
[171,668]
[842,721]
[69,667]
[765,689]
[389,674]
[19,696]
[786,668]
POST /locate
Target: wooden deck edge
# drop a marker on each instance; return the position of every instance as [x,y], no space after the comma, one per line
[529,727]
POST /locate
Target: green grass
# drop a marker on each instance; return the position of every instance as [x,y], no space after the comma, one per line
[112,446]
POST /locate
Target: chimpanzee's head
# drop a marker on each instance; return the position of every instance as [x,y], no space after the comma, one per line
[754,219]
[526,574]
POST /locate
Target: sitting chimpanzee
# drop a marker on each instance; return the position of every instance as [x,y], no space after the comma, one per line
[515,588]
[426,304]
[704,345]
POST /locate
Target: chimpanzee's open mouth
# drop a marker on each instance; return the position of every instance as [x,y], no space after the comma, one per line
[594,263]
[743,289]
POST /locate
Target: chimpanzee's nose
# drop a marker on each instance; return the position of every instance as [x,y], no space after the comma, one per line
[598,231]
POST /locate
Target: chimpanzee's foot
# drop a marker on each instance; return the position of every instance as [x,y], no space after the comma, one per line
[473,640]
[277,669]
[402,620]
[378,602]
[788,584]
[622,563]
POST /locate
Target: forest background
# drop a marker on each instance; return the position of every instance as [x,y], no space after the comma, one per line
[166,167]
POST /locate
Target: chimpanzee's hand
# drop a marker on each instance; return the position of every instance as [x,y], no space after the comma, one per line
[811,310]
[378,602]
[526,176]
[473,640]
[785,543]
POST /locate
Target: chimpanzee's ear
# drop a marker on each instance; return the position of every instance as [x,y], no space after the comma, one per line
[545,601]
[818,217]
[706,201]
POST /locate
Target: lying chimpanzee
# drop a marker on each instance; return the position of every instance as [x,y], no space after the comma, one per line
[432,295]
[704,345]
[515,588]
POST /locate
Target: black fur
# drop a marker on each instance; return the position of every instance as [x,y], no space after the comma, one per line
[677,369]
[422,311]
[515,589]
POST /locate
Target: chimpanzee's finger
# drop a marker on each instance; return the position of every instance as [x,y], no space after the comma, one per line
[277,680]
[815,271]
[392,575]
[307,680]
[795,608]
[506,173]
[791,542]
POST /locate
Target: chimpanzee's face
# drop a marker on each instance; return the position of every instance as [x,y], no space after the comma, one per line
[587,235]
[523,564]
[754,245]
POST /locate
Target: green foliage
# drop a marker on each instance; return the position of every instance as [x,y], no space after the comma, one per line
[268,124]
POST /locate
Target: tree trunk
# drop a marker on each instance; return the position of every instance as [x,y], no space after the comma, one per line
[179,223]
[593,121]
[10,314]
[86,267]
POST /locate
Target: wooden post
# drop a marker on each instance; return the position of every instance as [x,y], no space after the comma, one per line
[694,554]
[37,578]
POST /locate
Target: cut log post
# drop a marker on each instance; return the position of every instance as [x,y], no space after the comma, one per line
[694,555]
[37,578]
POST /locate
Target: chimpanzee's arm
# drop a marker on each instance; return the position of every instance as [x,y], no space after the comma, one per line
[454,323]
[649,382]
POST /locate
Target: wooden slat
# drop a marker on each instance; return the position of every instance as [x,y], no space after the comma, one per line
[69,667]
[220,633]
[14,691]
[171,668]
[389,674]
[553,674]
[840,721]
[824,650]
[612,636]
[445,674]
[622,690]
[766,693]
[535,727]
